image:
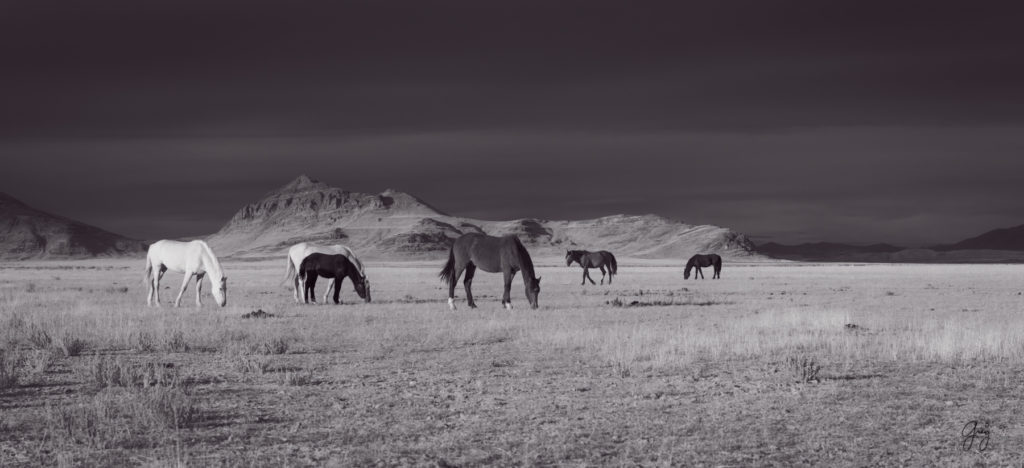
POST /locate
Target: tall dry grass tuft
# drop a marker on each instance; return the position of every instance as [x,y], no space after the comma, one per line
[122,418]
[104,371]
[38,337]
[176,342]
[10,362]
[70,344]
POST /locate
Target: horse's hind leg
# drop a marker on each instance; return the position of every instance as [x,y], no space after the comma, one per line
[506,298]
[149,287]
[451,285]
[298,288]
[184,284]
[199,289]
[602,275]
[468,283]
[157,276]
[309,288]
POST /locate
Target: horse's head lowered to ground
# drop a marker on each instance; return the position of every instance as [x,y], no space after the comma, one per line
[362,287]
[532,291]
[220,291]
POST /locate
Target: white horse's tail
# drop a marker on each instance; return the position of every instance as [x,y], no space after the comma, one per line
[149,270]
[289,269]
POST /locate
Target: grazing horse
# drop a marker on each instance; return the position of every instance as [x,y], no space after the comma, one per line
[299,252]
[337,267]
[491,254]
[700,260]
[589,260]
[191,258]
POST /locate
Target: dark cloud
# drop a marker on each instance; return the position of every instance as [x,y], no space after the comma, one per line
[796,120]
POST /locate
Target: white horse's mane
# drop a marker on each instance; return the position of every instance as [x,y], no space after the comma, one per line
[214,265]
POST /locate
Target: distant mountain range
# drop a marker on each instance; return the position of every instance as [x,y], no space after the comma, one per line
[28,233]
[397,225]
[998,239]
[996,246]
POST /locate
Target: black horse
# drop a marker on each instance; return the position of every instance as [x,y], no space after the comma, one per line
[338,267]
[589,260]
[491,254]
[700,260]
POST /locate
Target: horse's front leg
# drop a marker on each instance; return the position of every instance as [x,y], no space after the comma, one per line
[199,289]
[330,286]
[184,285]
[699,272]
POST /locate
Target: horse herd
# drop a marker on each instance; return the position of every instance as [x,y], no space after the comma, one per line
[307,262]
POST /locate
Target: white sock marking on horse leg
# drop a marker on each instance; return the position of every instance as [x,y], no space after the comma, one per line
[508,306]
[451,303]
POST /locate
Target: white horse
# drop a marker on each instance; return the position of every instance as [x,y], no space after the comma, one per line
[298,252]
[194,259]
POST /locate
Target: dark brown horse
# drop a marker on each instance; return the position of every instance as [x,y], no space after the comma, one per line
[589,260]
[491,254]
[698,261]
[338,267]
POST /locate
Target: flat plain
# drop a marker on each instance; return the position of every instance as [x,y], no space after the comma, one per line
[774,364]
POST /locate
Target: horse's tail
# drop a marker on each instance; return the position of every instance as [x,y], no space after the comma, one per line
[289,269]
[613,265]
[149,271]
[447,274]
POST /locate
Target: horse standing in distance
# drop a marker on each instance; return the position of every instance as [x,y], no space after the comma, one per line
[700,260]
[491,254]
[194,259]
[337,267]
[589,260]
[299,252]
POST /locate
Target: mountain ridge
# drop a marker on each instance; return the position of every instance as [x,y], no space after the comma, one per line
[396,224]
[30,233]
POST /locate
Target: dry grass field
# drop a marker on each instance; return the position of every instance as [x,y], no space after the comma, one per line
[774,364]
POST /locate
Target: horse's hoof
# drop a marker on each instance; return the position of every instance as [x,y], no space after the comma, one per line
[451,303]
[508,306]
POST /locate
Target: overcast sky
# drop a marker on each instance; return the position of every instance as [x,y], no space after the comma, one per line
[790,121]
